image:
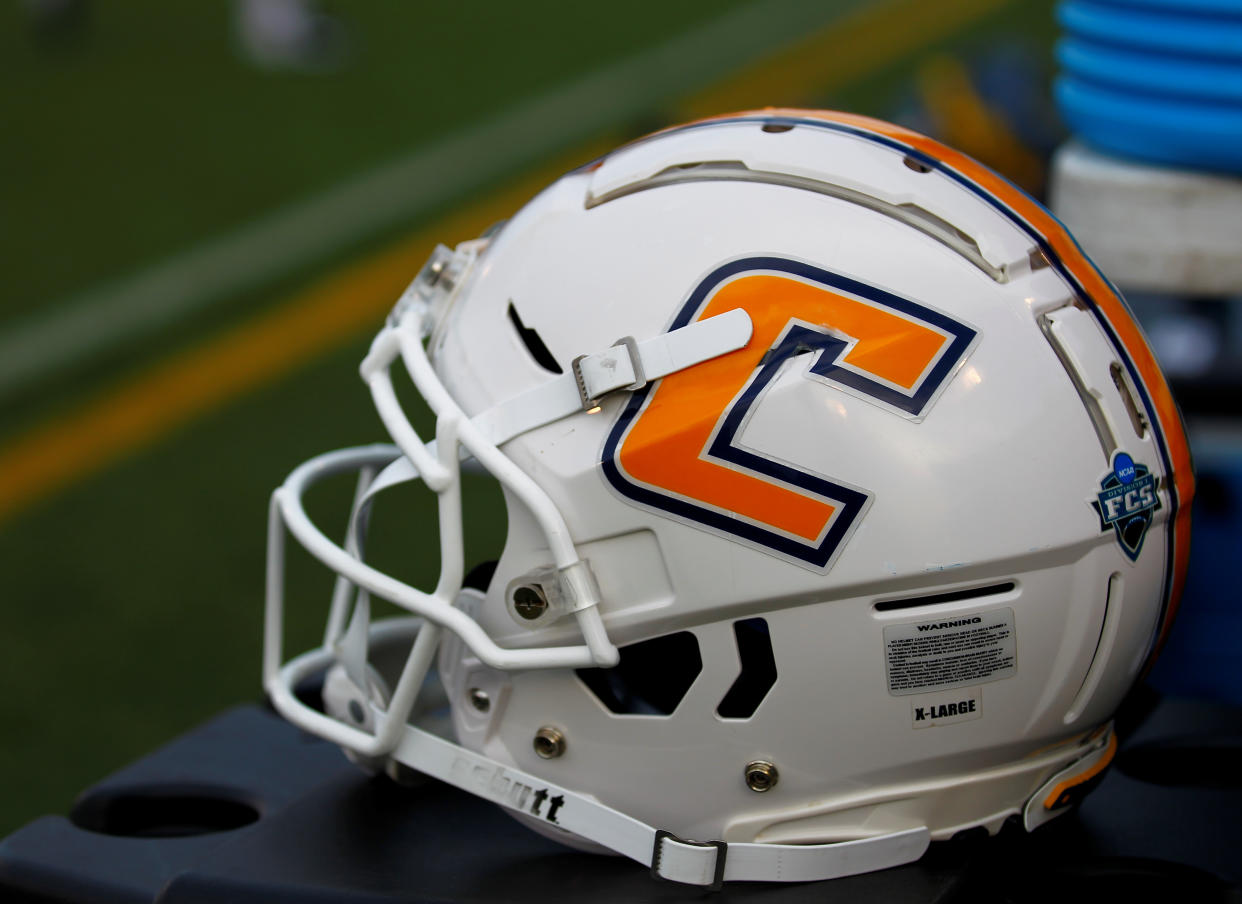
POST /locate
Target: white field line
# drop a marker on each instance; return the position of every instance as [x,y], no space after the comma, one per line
[291,238]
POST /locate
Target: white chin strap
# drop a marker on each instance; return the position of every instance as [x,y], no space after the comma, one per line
[703,863]
[669,857]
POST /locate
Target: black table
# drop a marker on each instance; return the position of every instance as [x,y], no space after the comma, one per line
[248,808]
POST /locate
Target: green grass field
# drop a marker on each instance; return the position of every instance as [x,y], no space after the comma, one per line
[133,587]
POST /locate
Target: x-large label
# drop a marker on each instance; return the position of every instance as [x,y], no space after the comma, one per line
[674,449]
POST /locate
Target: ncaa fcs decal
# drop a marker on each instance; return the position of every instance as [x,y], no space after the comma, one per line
[1128,498]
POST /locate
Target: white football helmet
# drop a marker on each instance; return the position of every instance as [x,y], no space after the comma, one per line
[845,503]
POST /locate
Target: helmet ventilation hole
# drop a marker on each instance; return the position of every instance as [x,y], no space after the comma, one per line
[754,649]
[952,596]
[533,342]
[652,677]
[1109,626]
[1137,421]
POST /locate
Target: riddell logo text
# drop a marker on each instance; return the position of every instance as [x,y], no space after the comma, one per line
[495,784]
[957,623]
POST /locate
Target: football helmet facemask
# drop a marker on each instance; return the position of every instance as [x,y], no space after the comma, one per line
[845,503]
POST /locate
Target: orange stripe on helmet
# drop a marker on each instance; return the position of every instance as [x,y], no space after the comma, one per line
[1057,797]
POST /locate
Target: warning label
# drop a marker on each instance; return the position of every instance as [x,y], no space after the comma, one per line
[950,652]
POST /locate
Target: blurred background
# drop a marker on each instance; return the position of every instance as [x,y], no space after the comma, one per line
[209,207]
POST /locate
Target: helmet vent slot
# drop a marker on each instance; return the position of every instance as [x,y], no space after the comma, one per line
[952,596]
[1110,624]
[913,215]
[652,677]
[754,649]
[1120,380]
[534,342]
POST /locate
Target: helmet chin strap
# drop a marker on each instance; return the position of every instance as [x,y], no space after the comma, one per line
[706,863]
[703,863]
[693,862]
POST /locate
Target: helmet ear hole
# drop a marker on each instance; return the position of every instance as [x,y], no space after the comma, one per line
[652,677]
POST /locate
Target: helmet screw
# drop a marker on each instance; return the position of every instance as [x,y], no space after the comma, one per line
[761,776]
[479,699]
[549,742]
[529,602]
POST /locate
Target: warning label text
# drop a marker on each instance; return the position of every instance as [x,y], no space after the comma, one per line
[968,649]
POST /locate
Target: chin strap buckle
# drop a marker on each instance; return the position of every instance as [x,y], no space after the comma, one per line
[607,371]
[687,873]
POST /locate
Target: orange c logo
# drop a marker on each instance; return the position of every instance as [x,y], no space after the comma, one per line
[673,450]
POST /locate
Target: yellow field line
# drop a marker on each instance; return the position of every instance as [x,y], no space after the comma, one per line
[139,411]
[154,403]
